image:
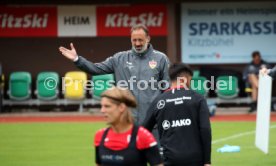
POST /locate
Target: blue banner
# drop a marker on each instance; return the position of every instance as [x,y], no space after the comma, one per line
[225,33]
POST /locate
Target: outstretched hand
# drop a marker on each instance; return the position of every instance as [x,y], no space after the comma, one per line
[70,54]
[264,71]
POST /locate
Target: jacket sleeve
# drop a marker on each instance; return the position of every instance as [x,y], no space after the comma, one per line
[105,67]
[205,131]
[150,119]
[164,74]
[272,73]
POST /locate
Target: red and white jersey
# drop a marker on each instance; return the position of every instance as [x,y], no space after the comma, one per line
[119,141]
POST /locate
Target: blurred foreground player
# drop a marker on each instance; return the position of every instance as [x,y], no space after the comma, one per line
[123,143]
[183,122]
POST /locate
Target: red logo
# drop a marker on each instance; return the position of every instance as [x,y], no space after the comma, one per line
[152,64]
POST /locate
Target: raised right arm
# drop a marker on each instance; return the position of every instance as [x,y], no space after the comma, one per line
[104,67]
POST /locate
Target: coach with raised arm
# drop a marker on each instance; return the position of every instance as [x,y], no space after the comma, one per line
[142,63]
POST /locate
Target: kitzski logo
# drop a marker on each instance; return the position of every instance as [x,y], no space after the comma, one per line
[125,20]
[27,21]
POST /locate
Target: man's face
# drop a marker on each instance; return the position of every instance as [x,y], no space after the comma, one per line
[257,60]
[139,40]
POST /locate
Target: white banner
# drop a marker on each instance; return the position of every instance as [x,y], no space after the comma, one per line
[263,113]
[77,21]
[216,33]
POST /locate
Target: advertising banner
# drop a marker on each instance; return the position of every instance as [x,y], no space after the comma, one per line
[28,21]
[117,20]
[225,33]
[77,20]
[80,20]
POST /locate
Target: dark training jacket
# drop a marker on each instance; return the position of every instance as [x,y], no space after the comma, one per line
[182,117]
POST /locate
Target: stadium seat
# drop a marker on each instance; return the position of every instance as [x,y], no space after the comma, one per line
[227,87]
[74,85]
[197,84]
[20,85]
[101,83]
[47,84]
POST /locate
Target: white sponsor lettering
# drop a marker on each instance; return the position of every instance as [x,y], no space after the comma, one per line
[112,157]
[187,98]
[107,157]
[26,21]
[176,123]
[119,157]
[182,122]
[173,100]
[124,20]
[179,100]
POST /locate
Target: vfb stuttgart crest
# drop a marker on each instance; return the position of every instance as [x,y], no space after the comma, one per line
[152,64]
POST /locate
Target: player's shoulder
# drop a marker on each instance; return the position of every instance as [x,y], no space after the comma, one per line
[159,53]
[145,139]
[98,136]
[143,131]
[100,133]
[162,96]
[194,95]
[121,53]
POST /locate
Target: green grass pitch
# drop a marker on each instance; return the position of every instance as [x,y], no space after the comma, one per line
[71,144]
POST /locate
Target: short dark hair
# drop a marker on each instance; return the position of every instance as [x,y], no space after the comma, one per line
[177,69]
[256,53]
[140,26]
